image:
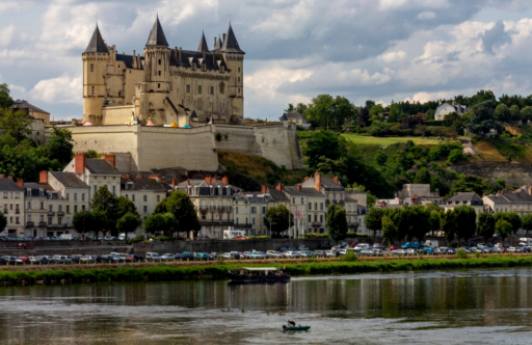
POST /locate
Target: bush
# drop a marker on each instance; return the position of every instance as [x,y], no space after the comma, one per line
[461,253]
[350,256]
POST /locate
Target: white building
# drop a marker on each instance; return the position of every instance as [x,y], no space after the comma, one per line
[146,193]
[446,109]
[96,173]
[519,201]
[12,206]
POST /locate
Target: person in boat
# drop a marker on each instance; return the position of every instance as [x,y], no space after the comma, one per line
[292,323]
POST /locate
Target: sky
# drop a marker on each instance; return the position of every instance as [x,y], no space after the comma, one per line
[384,50]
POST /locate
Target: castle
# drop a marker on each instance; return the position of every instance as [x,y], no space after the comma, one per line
[164,85]
[173,108]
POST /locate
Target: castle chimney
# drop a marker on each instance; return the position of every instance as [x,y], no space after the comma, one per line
[20,183]
[225,180]
[79,163]
[43,177]
[279,187]
[317,181]
[208,179]
[110,158]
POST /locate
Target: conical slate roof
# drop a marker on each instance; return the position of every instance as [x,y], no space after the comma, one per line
[202,46]
[96,44]
[156,37]
[230,43]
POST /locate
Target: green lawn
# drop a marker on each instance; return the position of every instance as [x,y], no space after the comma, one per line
[359,139]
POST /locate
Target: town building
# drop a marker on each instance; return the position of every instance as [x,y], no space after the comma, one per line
[145,192]
[96,172]
[12,205]
[412,194]
[294,118]
[164,85]
[213,201]
[519,201]
[471,199]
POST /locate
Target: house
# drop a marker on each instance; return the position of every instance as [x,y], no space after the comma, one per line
[294,118]
[96,172]
[249,212]
[308,206]
[12,205]
[519,201]
[146,192]
[471,199]
[31,110]
[446,109]
[213,201]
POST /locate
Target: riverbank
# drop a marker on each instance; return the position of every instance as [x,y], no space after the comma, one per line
[220,270]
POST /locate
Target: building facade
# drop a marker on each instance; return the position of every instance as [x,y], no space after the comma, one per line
[163,85]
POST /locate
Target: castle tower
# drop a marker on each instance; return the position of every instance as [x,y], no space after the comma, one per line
[202,45]
[156,86]
[95,58]
[234,57]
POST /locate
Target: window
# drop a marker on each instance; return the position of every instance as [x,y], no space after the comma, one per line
[29,204]
[158,198]
[315,217]
[199,89]
[42,205]
[310,206]
[159,64]
[309,218]
[321,218]
[51,208]
[316,206]
[222,88]
[67,209]
[133,197]
[16,220]
[145,198]
[75,196]
[188,88]
[82,196]
[263,209]
[145,209]
[253,210]
[83,207]
[114,190]
[91,67]
[321,206]
[211,91]
[75,208]
[159,85]
[236,210]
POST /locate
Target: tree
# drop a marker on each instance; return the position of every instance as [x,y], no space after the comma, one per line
[5,98]
[460,223]
[526,221]
[59,146]
[512,218]
[3,222]
[389,229]
[129,222]
[106,203]
[435,220]
[124,206]
[486,225]
[503,228]
[278,219]
[502,112]
[336,222]
[179,205]
[324,144]
[160,222]
[373,220]
[88,221]
[15,124]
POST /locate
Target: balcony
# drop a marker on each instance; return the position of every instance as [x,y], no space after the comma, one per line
[42,225]
[30,224]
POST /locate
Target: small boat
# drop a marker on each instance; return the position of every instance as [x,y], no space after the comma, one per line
[258,275]
[295,328]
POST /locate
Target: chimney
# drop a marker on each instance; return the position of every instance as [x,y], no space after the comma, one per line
[110,158]
[298,187]
[43,177]
[317,181]
[20,183]
[529,189]
[174,182]
[208,179]
[225,180]
[79,163]
[336,180]
[279,187]
[264,189]
[155,178]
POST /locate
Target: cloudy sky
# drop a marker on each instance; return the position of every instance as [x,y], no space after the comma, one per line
[295,49]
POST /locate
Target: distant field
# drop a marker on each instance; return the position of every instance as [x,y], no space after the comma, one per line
[359,139]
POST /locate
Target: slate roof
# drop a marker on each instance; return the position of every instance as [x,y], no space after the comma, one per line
[519,196]
[156,36]
[69,179]
[461,197]
[310,192]
[187,58]
[277,196]
[8,185]
[144,183]
[25,105]
[230,44]
[96,43]
[100,166]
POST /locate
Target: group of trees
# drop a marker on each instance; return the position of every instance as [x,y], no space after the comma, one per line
[484,113]
[173,215]
[459,224]
[108,214]
[20,156]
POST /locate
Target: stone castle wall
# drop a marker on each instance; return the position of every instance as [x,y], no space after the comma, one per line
[191,149]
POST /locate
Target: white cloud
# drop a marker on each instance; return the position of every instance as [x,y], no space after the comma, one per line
[62,89]
[393,56]
[6,35]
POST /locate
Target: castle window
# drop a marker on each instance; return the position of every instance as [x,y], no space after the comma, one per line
[158,85]
[92,67]
[159,61]
[212,90]
[92,90]
[159,73]
[222,88]
[188,88]
[199,89]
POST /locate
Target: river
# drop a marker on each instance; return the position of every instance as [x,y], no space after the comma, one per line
[443,307]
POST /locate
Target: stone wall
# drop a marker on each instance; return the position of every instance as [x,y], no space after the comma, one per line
[191,149]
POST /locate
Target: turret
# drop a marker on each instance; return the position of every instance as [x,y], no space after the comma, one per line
[95,59]
[234,57]
[202,45]
[156,69]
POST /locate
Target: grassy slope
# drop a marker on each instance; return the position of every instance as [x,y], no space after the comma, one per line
[359,139]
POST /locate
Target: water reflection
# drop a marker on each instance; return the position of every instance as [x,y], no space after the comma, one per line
[371,308]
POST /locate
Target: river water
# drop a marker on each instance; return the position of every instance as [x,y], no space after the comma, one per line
[444,307]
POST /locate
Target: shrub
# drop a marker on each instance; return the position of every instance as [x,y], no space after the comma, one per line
[461,253]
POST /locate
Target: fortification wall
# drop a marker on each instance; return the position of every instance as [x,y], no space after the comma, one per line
[279,144]
[191,149]
[236,139]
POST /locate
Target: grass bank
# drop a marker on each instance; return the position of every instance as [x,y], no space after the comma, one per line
[216,270]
